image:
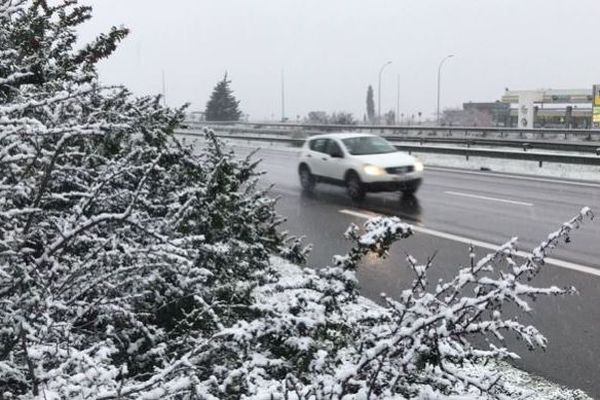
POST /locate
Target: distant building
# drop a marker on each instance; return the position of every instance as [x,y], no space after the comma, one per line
[549,108]
[477,114]
[542,108]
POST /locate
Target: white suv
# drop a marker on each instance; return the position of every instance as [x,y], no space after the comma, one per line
[362,162]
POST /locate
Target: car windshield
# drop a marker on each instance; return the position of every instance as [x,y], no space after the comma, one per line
[363,145]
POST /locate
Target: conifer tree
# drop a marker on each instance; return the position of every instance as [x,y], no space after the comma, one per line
[222,105]
[370,105]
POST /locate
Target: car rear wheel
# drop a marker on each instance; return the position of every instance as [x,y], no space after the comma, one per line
[354,187]
[307,180]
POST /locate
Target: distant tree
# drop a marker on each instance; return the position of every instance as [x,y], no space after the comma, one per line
[337,118]
[390,117]
[342,118]
[223,106]
[370,105]
[317,117]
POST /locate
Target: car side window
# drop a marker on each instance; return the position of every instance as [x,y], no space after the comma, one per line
[319,145]
[334,148]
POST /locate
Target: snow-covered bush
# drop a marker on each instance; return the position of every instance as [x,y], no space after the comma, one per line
[120,249]
[132,266]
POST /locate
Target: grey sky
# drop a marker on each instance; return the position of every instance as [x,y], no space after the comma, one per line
[331,50]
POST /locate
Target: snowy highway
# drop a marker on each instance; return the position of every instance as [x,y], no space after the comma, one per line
[454,208]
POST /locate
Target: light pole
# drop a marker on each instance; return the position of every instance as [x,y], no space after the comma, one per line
[439,85]
[379,92]
[164,89]
[398,102]
[282,97]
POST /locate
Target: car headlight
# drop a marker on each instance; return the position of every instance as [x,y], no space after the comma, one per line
[373,170]
[419,167]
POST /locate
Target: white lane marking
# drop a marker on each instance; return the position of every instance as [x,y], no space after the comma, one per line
[511,176]
[476,196]
[489,246]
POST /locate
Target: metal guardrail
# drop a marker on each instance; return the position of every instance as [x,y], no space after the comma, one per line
[466,152]
[524,144]
[586,134]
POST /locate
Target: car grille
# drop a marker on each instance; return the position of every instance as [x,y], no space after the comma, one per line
[400,170]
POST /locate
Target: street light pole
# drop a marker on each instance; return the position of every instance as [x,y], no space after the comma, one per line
[282,97]
[164,89]
[398,102]
[439,85]
[379,92]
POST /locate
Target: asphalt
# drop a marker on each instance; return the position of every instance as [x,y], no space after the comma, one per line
[482,206]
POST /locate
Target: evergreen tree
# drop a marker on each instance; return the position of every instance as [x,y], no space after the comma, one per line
[222,105]
[370,105]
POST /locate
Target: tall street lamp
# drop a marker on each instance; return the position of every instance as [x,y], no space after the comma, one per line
[439,85]
[397,119]
[379,92]
[282,97]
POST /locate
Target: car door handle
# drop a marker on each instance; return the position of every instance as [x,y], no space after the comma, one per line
[308,156]
[324,158]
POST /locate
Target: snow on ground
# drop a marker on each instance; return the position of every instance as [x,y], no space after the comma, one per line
[537,388]
[567,171]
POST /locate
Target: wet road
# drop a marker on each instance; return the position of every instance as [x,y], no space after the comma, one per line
[452,208]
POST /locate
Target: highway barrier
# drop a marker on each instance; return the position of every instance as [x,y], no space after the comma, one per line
[462,148]
[419,130]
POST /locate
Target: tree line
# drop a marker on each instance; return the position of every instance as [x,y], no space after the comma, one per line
[224,106]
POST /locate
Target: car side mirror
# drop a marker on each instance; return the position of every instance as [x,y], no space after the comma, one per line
[336,154]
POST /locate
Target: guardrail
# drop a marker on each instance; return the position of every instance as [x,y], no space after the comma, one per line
[466,152]
[584,134]
[466,141]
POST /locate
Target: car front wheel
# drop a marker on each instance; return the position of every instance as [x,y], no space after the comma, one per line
[354,187]
[411,188]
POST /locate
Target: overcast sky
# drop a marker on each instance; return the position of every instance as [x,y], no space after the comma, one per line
[331,50]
